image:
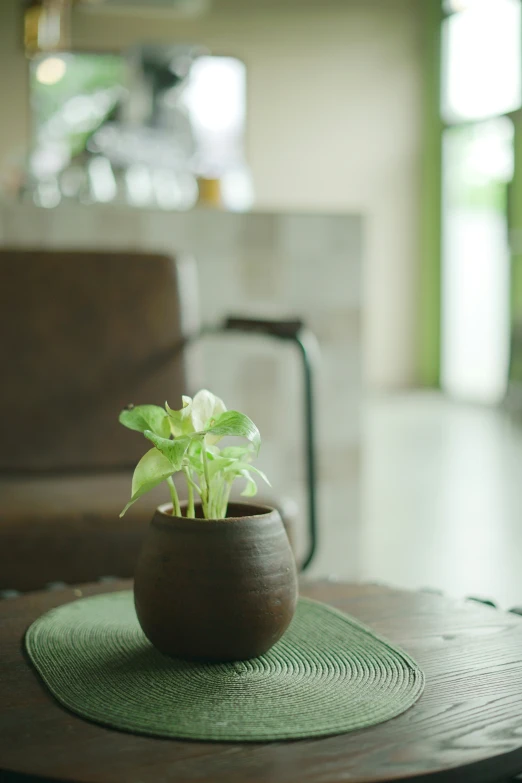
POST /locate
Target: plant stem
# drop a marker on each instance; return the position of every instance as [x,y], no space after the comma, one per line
[190,490]
[224,499]
[193,484]
[207,510]
[221,498]
[204,496]
[175,499]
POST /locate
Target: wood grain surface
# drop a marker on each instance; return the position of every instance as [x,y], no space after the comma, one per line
[466,727]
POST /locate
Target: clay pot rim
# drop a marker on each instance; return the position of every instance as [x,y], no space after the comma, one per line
[260,512]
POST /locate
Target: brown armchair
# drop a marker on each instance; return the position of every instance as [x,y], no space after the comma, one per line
[84,333]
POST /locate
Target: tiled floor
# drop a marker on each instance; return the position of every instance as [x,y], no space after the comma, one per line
[441,497]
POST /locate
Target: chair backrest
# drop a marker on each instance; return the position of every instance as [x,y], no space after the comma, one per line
[82,335]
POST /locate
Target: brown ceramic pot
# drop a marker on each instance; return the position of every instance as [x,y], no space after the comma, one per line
[218,589]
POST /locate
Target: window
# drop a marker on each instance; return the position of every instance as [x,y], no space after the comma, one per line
[481,84]
[481,60]
[477,167]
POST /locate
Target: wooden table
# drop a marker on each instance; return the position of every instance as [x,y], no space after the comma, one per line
[466,727]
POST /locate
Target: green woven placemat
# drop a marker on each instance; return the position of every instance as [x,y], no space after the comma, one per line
[328,675]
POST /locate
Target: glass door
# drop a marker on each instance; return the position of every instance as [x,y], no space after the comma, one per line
[481,88]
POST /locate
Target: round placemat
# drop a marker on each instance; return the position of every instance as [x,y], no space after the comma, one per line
[328,675]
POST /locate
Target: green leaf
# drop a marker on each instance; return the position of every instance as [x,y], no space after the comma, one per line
[214,460]
[251,488]
[217,465]
[195,463]
[241,467]
[173,450]
[235,423]
[151,470]
[146,417]
[181,421]
[205,407]
[237,452]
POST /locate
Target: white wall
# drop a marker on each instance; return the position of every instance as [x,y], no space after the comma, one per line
[333,124]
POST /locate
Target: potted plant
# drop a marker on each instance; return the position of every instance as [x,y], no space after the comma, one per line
[215,580]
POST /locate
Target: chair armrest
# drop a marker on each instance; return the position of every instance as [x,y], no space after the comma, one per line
[294,330]
[286,329]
